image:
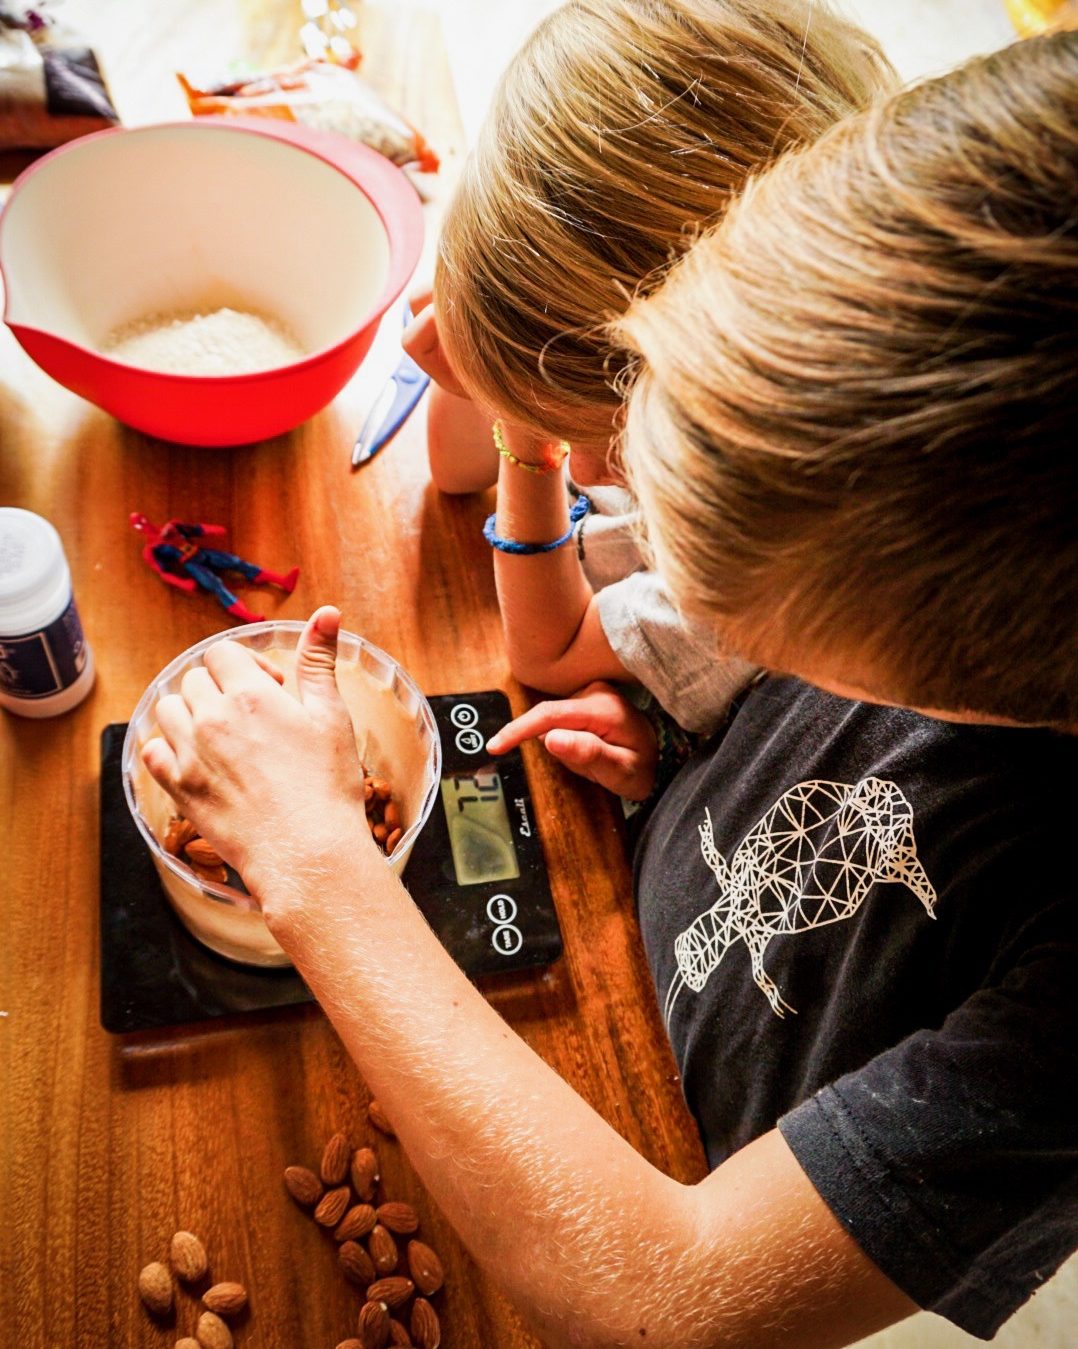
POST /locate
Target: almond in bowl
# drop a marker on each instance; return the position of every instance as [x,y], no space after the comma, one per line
[398,745]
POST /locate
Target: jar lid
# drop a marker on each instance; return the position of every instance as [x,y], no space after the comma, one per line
[32,561]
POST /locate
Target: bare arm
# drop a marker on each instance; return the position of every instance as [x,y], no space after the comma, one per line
[549,613]
[462,456]
[595,1245]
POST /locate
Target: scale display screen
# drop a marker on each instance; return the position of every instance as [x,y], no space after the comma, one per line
[480,837]
[477,871]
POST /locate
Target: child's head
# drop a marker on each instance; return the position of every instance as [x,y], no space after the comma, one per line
[620,128]
[853,431]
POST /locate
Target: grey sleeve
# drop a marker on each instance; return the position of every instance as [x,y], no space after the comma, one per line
[952,1159]
[681,665]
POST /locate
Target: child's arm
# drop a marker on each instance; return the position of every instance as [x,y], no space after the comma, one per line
[462,458]
[549,613]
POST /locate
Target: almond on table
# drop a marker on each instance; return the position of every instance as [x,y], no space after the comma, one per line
[383,1250]
[155,1288]
[188,1256]
[226,1299]
[335,1158]
[365,1176]
[332,1206]
[303,1185]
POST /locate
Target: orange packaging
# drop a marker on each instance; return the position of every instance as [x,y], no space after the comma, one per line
[328,96]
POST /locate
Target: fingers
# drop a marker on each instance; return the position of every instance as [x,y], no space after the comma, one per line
[161,763]
[588,711]
[316,658]
[274,671]
[175,721]
[199,689]
[614,767]
[233,667]
[422,342]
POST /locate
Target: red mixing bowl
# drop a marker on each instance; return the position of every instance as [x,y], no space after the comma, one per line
[304,227]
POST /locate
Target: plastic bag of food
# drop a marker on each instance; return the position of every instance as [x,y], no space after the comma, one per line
[51,87]
[328,96]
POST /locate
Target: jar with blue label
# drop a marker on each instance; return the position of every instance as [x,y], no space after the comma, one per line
[46,666]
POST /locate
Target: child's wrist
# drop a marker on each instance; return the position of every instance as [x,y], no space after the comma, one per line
[548,458]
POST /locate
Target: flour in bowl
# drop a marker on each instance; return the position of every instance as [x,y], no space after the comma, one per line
[223,342]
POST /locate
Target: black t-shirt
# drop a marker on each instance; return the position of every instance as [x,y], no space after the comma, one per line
[862,926]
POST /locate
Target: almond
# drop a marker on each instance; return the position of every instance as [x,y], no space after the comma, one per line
[392,839]
[335,1159]
[303,1185]
[365,1176]
[373,1328]
[393,1292]
[398,1334]
[212,1333]
[356,1263]
[188,1257]
[226,1299]
[356,1223]
[155,1288]
[332,1206]
[350,1344]
[426,1330]
[383,1249]
[217,875]
[380,1119]
[398,1217]
[187,1343]
[180,832]
[392,816]
[425,1268]
[202,854]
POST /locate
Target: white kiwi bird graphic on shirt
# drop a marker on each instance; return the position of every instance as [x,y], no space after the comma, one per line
[810,861]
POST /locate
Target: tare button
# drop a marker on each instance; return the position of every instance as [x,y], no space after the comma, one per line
[507,939]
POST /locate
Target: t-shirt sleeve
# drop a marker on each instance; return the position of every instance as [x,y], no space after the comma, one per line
[680,665]
[952,1159]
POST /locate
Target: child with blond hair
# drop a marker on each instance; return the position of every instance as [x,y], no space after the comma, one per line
[620,128]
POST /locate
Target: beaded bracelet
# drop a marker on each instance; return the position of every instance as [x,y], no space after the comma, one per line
[577,511]
[548,465]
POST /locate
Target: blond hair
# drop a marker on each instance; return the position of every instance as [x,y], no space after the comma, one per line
[854,428]
[619,129]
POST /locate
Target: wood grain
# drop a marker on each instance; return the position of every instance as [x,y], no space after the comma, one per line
[109,1145]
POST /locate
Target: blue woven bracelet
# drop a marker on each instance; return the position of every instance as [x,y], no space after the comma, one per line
[577,511]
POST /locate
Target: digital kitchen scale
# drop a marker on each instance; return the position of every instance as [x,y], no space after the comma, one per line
[476,872]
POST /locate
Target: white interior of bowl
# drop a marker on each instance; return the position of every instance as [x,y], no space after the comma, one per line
[397,739]
[165,220]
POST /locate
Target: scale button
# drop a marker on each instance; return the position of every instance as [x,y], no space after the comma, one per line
[501,908]
[507,939]
[470,741]
[463,714]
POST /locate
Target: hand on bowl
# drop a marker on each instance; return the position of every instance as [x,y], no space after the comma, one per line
[274,783]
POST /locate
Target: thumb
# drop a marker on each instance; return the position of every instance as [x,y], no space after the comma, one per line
[316,658]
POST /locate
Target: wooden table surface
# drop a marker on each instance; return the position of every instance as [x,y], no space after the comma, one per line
[110,1144]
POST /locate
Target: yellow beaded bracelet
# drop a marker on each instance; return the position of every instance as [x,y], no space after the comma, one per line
[548,465]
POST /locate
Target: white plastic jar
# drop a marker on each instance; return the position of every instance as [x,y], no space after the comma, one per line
[46,666]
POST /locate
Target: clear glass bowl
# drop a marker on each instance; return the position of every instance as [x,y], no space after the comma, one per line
[397,738]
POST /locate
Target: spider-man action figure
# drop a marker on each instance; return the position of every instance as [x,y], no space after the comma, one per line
[172,551]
